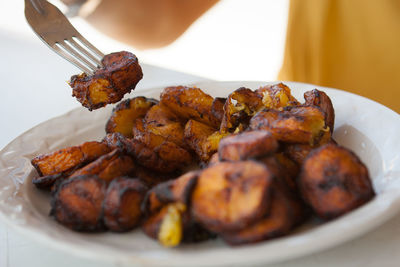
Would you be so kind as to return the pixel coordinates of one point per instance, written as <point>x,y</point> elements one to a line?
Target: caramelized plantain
<point>277,222</point>
<point>277,96</point>
<point>284,170</point>
<point>156,152</point>
<point>177,190</point>
<point>150,150</point>
<point>322,100</point>
<point>160,121</point>
<point>62,162</point>
<point>295,124</point>
<point>190,103</point>
<point>46,182</point>
<point>167,206</point>
<point>334,181</point>
<point>217,107</point>
<point>108,167</point>
<point>122,204</point>
<point>120,74</point>
<point>201,138</point>
<point>231,195</point>
<point>239,107</point>
<point>152,178</point>
<point>247,145</point>
<point>214,159</point>
<point>77,203</point>
<point>125,114</point>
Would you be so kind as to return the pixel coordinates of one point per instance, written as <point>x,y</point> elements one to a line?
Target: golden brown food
<point>334,181</point>
<point>190,103</point>
<point>108,167</point>
<point>277,222</point>
<point>125,114</point>
<point>202,139</point>
<point>247,145</point>
<point>168,208</point>
<point>161,121</point>
<point>77,203</point>
<point>152,224</point>
<point>217,107</point>
<point>214,159</point>
<point>284,170</point>
<point>150,151</point>
<point>152,178</point>
<point>160,154</point>
<point>122,204</point>
<point>295,124</point>
<point>321,99</point>
<point>46,182</point>
<point>177,190</point>
<point>239,107</point>
<point>120,74</point>
<point>265,164</point>
<point>231,195</point>
<point>62,162</point>
<point>277,96</point>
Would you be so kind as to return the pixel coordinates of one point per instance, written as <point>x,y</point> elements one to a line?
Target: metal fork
<point>54,29</point>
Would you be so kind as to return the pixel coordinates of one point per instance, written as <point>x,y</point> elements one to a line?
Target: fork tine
<point>77,55</point>
<point>82,39</point>
<point>84,51</point>
<point>71,59</point>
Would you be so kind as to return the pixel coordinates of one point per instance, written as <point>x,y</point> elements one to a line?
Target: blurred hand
<point>147,23</point>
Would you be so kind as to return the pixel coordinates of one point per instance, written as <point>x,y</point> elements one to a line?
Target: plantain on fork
<point>105,78</point>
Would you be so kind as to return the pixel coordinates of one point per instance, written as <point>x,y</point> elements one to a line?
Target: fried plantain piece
<point>157,153</point>
<point>247,145</point>
<point>161,121</point>
<point>276,223</point>
<point>144,155</point>
<point>61,162</point>
<point>125,114</point>
<point>176,190</point>
<point>277,96</point>
<point>217,107</point>
<point>239,107</point>
<point>108,167</point>
<point>231,195</point>
<point>122,204</point>
<point>321,99</point>
<point>46,182</point>
<point>214,159</point>
<point>77,203</point>
<point>203,139</point>
<point>284,170</point>
<point>298,152</point>
<point>295,124</point>
<point>152,224</point>
<point>120,74</point>
<point>190,103</point>
<point>167,206</point>
<point>334,181</point>
<point>152,178</point>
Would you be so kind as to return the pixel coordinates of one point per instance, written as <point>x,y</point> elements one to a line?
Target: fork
<point>55,30</point>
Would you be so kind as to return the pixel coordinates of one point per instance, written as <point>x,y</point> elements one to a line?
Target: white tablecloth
<point>31,93</point>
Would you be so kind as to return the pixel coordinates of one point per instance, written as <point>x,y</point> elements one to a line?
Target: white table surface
<point>31,92</point>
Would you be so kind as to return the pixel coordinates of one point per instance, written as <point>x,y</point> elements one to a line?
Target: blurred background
<point>230,39</point>
<point>233,40</point>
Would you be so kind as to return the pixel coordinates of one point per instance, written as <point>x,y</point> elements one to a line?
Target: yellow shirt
<point>352,45</point>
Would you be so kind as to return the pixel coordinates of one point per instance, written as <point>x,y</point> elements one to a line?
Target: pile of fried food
<point>189,167</point>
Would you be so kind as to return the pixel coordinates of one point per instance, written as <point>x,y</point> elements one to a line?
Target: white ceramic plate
<point>366,127</point>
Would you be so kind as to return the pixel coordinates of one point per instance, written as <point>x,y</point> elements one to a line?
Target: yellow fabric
<point>352,45</point>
